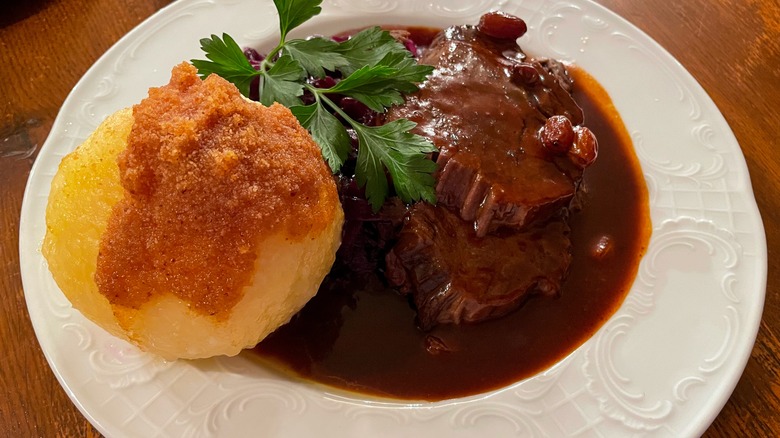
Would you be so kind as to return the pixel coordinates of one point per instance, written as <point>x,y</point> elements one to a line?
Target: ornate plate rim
<point>94,95</point>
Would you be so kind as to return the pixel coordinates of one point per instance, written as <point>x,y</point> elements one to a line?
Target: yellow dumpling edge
<point>83,192</point>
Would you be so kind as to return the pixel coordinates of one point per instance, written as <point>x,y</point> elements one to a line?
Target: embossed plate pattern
<point>663,365</point>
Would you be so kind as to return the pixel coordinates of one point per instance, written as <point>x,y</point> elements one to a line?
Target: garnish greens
<point>375,69</point>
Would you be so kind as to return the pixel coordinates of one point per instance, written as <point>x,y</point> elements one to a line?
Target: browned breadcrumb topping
<point>207,175</point>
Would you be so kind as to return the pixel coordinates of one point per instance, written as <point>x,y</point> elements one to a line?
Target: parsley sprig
<point>376,70</point>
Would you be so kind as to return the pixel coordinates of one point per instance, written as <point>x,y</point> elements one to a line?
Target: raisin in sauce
<point>359,335</point>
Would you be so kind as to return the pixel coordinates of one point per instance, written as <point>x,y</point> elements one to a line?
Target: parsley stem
<point>267,63</point>
<point>320,95</point>
<point>375,69</point>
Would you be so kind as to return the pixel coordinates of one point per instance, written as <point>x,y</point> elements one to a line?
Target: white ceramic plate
<point>663,365</point>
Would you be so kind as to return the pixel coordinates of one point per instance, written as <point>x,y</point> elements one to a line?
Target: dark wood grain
<point>732,47</point>
<point>45,47</point>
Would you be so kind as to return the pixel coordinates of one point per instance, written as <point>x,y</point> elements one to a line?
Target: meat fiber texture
<point>512,153</point>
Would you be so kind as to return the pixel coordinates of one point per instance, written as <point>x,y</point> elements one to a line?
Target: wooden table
<point>732,47</point>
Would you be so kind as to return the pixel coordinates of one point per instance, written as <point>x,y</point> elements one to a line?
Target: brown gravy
<point>357,334</point>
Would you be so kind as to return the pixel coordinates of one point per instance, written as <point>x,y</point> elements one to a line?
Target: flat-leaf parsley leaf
<point>375,69</point>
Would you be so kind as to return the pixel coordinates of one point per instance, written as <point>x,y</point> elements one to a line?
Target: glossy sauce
<point>357,334</point>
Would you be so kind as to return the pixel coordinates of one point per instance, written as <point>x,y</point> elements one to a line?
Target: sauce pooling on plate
<point>361,335</point>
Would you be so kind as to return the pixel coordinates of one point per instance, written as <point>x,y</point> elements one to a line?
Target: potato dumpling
<point>195,223</point>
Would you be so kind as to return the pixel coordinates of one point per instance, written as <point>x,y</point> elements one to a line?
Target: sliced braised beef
<point>484,108</point>
<point>511,156</point>
<point>456,277</point>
